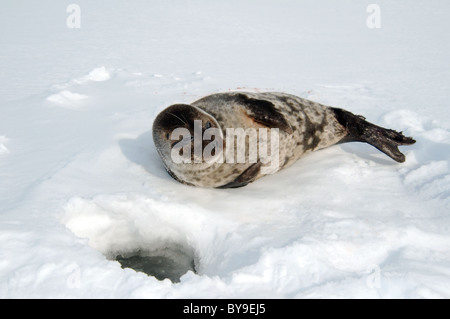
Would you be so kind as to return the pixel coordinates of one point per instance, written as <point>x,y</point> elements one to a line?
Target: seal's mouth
<point>199,146</point>
<point>180,143</point>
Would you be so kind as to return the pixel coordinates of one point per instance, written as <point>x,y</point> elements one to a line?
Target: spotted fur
<point>304,126</point>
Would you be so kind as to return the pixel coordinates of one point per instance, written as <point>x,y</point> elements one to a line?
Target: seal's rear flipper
<point>359,130</point>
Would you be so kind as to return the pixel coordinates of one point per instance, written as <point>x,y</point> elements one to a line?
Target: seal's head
<point>186,138</point>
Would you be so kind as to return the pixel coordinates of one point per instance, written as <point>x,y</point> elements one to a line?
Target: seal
<point>223,140</point>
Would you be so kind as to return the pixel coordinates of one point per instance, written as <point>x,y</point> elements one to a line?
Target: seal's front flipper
<point>245,178</point>
<point>359,130</point>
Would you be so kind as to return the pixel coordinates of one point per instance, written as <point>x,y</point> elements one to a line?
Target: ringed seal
<point>197,146</point>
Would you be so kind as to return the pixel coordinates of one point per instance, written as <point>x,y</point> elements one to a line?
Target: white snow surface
<point>80,179</point>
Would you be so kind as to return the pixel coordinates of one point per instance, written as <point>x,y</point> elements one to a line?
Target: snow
<point>66,98</point>
<point>3,141</point>
<point>81,182</point>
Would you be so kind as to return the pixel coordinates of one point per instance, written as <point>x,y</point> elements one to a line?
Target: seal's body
<point>301,126</point>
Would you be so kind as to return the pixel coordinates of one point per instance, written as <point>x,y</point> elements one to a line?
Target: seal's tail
<point>359,130</point>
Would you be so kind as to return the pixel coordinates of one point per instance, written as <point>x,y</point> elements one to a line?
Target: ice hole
<point>170,262</point>
<point>133,232</point>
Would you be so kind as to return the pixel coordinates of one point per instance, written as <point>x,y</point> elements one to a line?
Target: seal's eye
<point>167,135</point>
<point>207,125</point>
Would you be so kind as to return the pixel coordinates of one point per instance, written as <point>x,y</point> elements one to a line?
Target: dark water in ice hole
<point>170,264</point>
